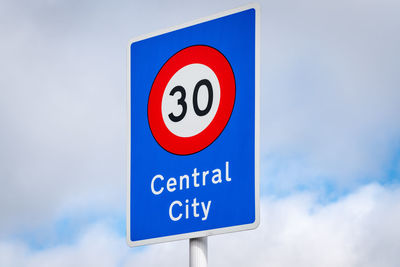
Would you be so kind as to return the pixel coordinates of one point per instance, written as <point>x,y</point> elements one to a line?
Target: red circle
<point>217,62</point>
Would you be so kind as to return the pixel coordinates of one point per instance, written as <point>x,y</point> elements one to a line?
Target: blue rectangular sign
<point>194,129</point>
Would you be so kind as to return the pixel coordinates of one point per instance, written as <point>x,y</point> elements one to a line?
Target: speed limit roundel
<point>191,100</point>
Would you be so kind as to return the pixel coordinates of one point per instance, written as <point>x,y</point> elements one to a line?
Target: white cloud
<point>329,91</point>
<point>98,246</point>
<point>360,229</point>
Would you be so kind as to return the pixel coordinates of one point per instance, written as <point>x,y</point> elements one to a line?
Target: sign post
<point>193,154</point>
<point>198,252</point>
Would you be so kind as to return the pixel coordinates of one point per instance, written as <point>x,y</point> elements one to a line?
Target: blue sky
<point>330,134</point>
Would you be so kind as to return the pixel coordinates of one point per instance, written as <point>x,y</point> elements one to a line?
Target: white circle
<point>187,77</point>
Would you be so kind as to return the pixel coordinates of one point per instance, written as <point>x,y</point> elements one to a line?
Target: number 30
<point>181,100</point>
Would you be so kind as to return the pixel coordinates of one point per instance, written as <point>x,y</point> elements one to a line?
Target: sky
<point>330,134</point>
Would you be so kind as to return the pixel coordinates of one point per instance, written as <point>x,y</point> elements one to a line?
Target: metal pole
<point>198,252</point>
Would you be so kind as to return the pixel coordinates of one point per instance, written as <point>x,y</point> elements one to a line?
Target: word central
<point>182,209</point>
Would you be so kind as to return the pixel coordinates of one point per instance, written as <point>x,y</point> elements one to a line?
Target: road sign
<point>194,129</point>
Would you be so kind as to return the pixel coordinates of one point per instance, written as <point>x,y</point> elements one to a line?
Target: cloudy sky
<point>330,133</point>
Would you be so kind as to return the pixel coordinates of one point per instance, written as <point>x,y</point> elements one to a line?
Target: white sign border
<point>216,231</point>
